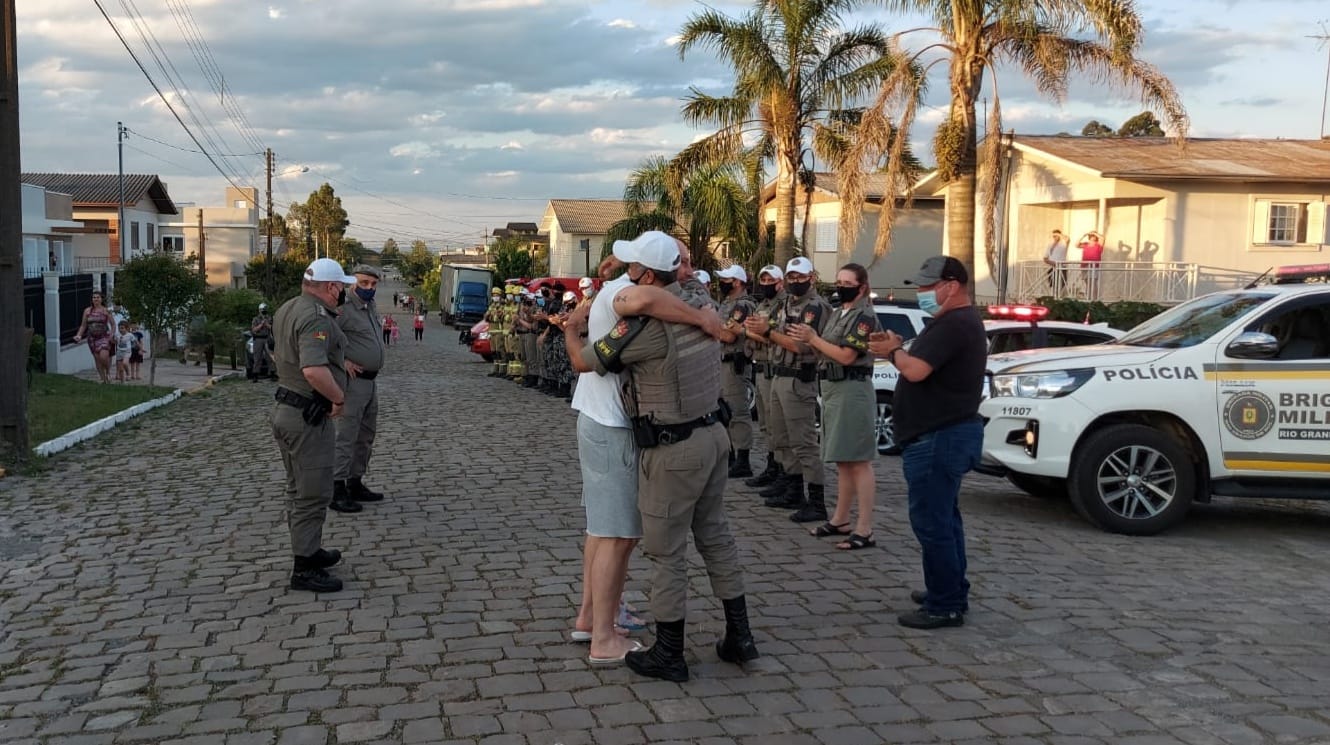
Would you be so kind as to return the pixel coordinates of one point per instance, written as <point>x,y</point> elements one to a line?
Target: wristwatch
<point>891,356</point>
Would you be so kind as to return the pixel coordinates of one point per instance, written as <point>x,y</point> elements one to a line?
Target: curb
<point>88,431</point>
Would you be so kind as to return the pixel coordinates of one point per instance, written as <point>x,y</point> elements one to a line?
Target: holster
<point>317,410</point>
<point>645,434</point>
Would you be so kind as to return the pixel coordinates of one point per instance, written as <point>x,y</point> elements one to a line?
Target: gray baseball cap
<point>939,268</point>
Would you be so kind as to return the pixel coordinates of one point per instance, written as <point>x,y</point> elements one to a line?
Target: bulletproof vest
<point>688,384</point>
<point>727,309</point>
<point>769,309</point>
<point>810,310</point>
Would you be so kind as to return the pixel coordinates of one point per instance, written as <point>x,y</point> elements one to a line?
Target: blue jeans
<point>934,465</point>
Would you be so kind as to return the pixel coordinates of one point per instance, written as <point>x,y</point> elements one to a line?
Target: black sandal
<point>856,542</point>
<point>828,529</point>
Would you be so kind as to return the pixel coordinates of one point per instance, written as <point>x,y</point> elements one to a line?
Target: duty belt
<point>291,398</point>
<point>671,434</point>
<point>804,373</point>
<point>732,356</point>
<point>844,373</point>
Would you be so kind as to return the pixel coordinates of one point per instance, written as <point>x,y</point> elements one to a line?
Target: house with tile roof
<point>229,233</point>
<point>576,229</point>
<point>916,234</point>
<point>101,241</point>
<point>1174,221</point>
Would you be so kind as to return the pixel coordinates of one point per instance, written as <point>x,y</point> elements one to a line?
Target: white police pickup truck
<point>1009,328</point>
<point>1227,394</point>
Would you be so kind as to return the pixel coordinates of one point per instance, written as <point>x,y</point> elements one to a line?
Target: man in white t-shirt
<point>1056,256</point>
<point>608,458</point>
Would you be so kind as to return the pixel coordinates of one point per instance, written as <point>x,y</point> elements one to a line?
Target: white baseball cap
<point>652,249</point>
<point>584,283</point>
<point>772,271</point>
<point>799,264</point>
<point>569,296</point>
<point>701,276</point>
<point>327,270</point>
<point>734,271</point>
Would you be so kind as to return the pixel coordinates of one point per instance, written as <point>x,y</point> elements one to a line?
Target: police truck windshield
<point>1194,321</point>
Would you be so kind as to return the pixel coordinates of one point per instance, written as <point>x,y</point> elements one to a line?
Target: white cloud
<point>511,145</point>
<point>621,23</point>
<point>413,150</point>
<point>275,13</point>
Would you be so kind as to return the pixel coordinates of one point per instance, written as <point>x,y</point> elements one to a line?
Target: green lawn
<point>61,403</point>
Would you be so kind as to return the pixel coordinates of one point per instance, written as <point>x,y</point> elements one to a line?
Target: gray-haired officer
<point>309,351</point>
<point>794,393</point>
<point>360,419</point>
<point>735,307</point>
<point>672,383</point>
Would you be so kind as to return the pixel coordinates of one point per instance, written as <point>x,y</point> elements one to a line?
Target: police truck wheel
<point>1132,479</point>
<point>1043,487</point>
<point>886,433</point>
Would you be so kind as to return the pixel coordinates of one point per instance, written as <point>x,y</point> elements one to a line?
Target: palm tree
<point>1044,40</point>
<point>710,202</point>
<point>796,71</point>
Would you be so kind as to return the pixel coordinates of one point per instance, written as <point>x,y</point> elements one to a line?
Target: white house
<point>577,230</point>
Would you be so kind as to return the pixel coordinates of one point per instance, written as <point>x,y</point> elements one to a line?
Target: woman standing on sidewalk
<point>96,328</point>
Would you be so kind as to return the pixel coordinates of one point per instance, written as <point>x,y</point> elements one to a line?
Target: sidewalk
<point>171,374</point>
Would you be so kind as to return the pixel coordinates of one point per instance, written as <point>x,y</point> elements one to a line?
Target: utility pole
<point>203,245</point>
<point>1323,38</point>
<point>120,225</point>
<point>268,288</point>
<point>13,357</point>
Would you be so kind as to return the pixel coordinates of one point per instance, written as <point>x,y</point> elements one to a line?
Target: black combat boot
<point>324,558</point>
<point>773,471</point>
<point>529,381</point>
<point>792,497</point>
<point>361,493</point>
<point>307,575</point>
<point>664,659</point>
<point>777,486</point>
<point>342,501</point>
<point>815,509</point>
<point>737,645</point>
<point>740,467</point>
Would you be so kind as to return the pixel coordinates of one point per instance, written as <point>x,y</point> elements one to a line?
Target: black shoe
<point>772,472</point>
<point>312,579</point>
<point>361,493</point>
<point>922,619</point>
<point>777,487</point>
<point>815,509</point>
<point>322,559</point>
<point>791,498</point>
<point>740,467</point>
<point>737,645</point>
<point>342,501</point>
<point>664,660</point>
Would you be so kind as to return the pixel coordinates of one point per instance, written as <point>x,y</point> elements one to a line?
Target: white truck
<point>1227,394</point>
<point>464,294</point>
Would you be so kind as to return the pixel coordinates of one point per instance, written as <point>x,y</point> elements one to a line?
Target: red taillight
<point>1018,312</point>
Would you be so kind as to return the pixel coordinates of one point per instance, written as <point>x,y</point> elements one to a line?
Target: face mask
<point>847,294</point>
<point>540,301</point>
<point>928,302</point>
<point>637,281</point>
<point>726,288</point>
<point>798,289</point>
<point>767,291</point>
<point>365,294</point>
<point>341,297</point>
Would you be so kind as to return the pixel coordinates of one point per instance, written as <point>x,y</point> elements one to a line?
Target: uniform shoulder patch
<point>620,329</point>
<point>321,335</point>
<point>861,328</point>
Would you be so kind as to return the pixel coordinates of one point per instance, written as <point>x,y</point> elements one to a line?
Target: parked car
<point>1224,394</point>
<point>478,338</point>
<point>1010,328</point>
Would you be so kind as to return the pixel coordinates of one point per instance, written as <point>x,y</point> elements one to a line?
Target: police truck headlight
<point>1039,385</point>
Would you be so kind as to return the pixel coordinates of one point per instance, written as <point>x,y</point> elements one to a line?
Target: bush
<point>1121,315</point>
<point>37,354</point>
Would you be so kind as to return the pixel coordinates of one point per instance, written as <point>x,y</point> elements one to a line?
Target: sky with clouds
<point>443,119</point>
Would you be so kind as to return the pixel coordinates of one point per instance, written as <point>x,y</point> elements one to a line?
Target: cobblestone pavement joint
<point>143,600</point>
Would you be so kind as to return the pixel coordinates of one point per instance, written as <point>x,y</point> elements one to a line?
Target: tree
<point>390,254</point>
<point>353,252</point>
<point>415,265</point>
<point>227,314</point>
<point>1048,42</point>
<point>796,72</point>
<point>512,257</point>
<point>287,273</point>
<point>1095,129</point>
<point>1143,124</point>
<point>326,221</point>
<point>712,204</point>
<point>161,292</point>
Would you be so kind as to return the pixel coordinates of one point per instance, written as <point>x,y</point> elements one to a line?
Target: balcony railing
<point>1165,283</point>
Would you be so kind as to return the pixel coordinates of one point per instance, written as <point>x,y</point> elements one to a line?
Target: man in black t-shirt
<point>937,422</point>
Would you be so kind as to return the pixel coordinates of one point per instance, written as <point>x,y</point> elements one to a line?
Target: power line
<point>165,101</point>
<point>189,150</point>
<point>207,63</point>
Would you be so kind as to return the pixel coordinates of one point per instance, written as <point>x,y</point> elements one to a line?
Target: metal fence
<point>1166,283</point>
<point>34,304</point>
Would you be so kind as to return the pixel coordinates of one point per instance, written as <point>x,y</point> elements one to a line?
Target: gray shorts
<point>609,479</point>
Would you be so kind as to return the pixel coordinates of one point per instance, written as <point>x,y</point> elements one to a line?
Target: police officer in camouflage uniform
<point>794,395</point>
<point>309,352</point>
<point>735,307</point>
<point>770,296</point>
<point>357,426</point>
<point>672,380</point>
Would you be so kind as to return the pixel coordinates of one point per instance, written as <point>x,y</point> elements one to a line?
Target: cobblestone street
<point>144,599</point>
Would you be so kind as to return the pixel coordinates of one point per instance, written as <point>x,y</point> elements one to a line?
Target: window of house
<point>825,234</point>
<point>134,237</point>
<point>1288,222</point>
<point>152,234</point>
<point>175,243</point>
<point>584,244</point>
